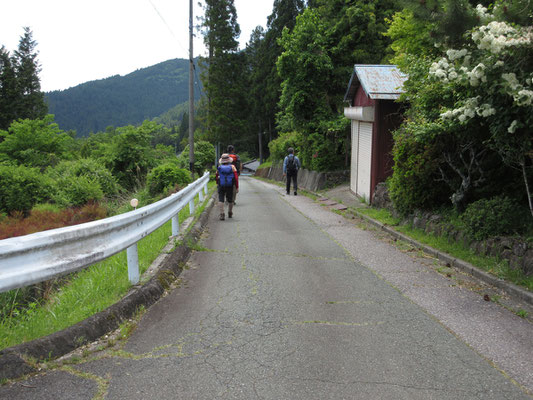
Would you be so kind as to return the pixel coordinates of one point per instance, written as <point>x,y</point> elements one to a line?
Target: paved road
<point>290,301</point>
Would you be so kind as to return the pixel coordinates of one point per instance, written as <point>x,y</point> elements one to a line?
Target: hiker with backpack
<point>236,161</point>
<point>228,181</point>
<point>291,165</point>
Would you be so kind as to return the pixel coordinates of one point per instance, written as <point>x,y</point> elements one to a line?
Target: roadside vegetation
<point>493,265</point>
<point>464,149</point>
<point>78,296</point>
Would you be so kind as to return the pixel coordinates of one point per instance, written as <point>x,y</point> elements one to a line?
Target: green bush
<point>493,217</point>
<point>204,157</point>
<point>164,176</point>
<point>414,183</point>
<point>324,152</point>
<point>73,190</point>
<point>278,147</point>
<point>21,188</point>
<point>90,168</point>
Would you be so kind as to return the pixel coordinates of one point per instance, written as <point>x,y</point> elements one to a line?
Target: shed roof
<point>380,82</point>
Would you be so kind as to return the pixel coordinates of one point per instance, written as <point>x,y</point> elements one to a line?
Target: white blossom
<point>456,54</point>
<point>496,36</point>
<point>482,12</point>
<point>511,80</point>
<point>485,110</point>
<point>513,126</point>
<point>524,97</point>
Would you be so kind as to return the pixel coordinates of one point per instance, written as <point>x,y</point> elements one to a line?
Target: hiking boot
<point>222,217</point>
<point>296,194</point>
<point>230,214</point>
<point>288,193</point>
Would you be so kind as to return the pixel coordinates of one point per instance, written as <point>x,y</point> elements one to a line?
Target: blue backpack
<point>225,175</point>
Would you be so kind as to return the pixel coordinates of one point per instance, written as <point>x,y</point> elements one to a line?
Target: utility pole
<point>260,148</point>
<point>191,95</point>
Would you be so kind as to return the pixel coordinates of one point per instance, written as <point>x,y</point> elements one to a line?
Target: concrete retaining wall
<point>310,180</point>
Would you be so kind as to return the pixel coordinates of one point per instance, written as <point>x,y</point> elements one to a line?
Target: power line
<point>197,80</point>
<point>167,25</point>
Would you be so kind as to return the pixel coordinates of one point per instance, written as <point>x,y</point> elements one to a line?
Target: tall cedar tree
<point>262,53</point>
<point>8,90</point>
<point>315,66</point>
<point>223,75</point>
<point>30,102</point>
<point>284,13</point>
<point>354,31</point>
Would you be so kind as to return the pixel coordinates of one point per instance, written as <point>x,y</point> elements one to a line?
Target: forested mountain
<point>122,100</point>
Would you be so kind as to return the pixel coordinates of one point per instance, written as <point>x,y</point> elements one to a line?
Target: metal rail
<point>41,256</point>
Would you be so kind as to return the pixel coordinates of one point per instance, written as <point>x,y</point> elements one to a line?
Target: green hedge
<point>21,188</point>
<point>164,176</point>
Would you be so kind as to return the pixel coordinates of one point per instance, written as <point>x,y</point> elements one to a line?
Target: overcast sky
<point>84,40</point>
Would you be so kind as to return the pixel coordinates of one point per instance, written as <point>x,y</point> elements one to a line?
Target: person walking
<point>291,165</point>
<point>227,180</point>
<point>236,161</point>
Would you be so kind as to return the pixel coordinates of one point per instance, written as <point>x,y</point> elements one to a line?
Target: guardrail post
<point>205,189</point>
<point>175,225</point>
<point>133,264</point>
<point>201,195</point>
<point>191,206</point>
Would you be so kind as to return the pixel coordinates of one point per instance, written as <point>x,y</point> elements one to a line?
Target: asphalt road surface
<point>288,300</point>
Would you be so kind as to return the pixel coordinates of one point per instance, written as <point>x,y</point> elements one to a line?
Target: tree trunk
<point>524,172</point>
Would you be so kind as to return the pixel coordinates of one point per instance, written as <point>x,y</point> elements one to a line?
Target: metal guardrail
<point>41,256</point>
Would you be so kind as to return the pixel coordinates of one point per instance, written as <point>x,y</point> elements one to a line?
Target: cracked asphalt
<point>288,300</point>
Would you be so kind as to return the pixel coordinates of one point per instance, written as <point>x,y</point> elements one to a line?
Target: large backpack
<point>225,175</point>
<point>236,162</point>
<point>291,164</point>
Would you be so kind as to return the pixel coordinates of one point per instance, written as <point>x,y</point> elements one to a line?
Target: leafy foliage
<point>34,143</point>
<point>317,58</point>
<point>492,217</point>
<point>22,187</point>
<point>414,183</point>
<point>130,156</point>
<point>305,67</point>
<point>262,53</point>
<point>76,191</point>
<point>470,103</point>
<point>278,147</point>
<point>166,176</point>
<point>89,168</point>
<point>204,156</point>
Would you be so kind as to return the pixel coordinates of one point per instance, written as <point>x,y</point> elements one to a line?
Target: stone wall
<point>310,180</point>
<point>517,251</point>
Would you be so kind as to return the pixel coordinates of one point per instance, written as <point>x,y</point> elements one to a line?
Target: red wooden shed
<point>374,114</point>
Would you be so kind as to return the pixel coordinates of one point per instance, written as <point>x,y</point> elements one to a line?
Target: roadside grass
<point>266,164</point>
<point>86,292</point>
<point>493,265</point>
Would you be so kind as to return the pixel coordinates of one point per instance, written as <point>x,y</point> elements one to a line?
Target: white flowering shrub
<point>488,72</point>
<point>478,98</point>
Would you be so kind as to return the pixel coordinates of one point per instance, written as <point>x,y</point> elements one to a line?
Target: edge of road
<point>17,361</point>
<point>511,289</point>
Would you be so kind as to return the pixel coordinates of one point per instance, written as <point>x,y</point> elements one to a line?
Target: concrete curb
<point>511,289</point>
<point>13,362</point>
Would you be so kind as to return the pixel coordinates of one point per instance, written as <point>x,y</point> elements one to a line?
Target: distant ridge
<point>122,100</point>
